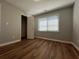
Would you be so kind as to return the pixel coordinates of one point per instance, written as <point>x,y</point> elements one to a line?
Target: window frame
<point>47,23</point>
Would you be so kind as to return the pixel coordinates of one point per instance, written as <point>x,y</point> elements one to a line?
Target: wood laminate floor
<point>38,49</point>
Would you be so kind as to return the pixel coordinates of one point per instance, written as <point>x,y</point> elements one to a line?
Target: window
<point>50,23</point>
<point>42,24</point>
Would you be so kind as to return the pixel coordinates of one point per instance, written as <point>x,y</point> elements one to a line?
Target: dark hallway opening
<point>23,27</point>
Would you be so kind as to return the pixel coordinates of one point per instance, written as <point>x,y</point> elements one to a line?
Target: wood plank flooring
<point>38,49</point>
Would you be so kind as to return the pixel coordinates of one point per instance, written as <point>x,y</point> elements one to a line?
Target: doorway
<point>23,27</point>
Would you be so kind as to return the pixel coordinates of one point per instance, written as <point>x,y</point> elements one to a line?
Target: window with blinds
<point>50,23</point>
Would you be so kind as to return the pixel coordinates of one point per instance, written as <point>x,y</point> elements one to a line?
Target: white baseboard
<point>54,40</point>
<point>75,46</point>
<point>67,42</point>
<point>8,43</point>
<point>30,38</point>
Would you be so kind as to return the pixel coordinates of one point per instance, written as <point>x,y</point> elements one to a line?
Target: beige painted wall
<point>0,18</point>
<point>0,21</point>
<point>65,24</point>
<point>76,23</point>
<point>30,28</point>
<point>10,23</point>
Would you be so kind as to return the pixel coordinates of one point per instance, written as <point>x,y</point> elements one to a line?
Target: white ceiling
<point>32,8</point>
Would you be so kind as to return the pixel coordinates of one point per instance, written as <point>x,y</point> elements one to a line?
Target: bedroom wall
<point>65,24</point>
<point>76,23</point>
<point>0,20</point>
<point>10,23</point>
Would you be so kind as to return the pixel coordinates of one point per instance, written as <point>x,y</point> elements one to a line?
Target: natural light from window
<point>50,23</point>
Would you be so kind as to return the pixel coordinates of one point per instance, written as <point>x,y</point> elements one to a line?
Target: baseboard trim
<point>8,43</point>
<point>67,42</point>
<point>30,38</point>
<point>75,46</point>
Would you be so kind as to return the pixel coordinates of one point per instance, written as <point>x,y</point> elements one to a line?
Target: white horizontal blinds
<point>42,24</point>
<point>53,23</point>
<point>50,23</point>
